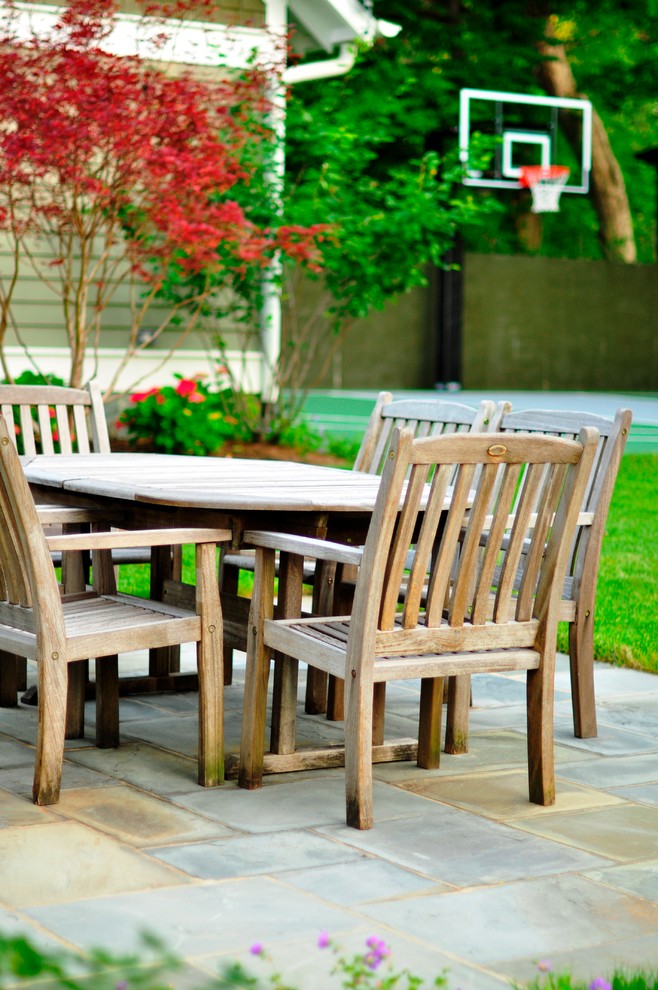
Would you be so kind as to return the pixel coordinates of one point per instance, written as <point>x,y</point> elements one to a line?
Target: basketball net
<point>546,183</point>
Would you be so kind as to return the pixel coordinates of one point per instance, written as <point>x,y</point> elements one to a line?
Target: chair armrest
<point>123,538</point>
<point>305,546</point>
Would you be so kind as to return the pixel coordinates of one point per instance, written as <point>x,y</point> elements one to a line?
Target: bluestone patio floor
<point>459,873</point>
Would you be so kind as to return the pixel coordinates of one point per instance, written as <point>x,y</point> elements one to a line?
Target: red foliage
<point>90,142</point>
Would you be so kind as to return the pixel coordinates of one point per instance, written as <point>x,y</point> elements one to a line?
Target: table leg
<point>8,680</point>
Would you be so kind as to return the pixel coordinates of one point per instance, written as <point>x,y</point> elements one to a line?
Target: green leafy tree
<point>392,205</point>
<point>609,51</point>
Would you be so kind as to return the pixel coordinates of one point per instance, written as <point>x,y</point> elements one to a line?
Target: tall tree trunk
<point>607,181</point>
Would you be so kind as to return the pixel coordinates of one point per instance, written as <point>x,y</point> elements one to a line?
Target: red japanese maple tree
<point>114,172</point>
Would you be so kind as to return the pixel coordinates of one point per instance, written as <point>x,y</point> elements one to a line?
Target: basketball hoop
<point>546,183</point>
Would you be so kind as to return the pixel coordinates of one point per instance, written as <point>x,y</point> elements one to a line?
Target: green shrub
<point>36,378</point>
<point>186,418</point>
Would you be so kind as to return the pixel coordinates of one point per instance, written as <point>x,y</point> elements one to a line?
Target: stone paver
<point>460,873</point>
<point>65,861</point>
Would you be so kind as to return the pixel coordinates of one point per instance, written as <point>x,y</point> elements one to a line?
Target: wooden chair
<point>50,419</point>
<point>579,592</point>
<point>425,417</point>
<point>449,626</point>
<point>36,623</point>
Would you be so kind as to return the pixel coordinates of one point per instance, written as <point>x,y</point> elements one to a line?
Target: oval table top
<point>206,482</point>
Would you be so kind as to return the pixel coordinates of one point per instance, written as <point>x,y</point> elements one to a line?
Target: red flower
<point>186,387</point>
<point>140,396</point>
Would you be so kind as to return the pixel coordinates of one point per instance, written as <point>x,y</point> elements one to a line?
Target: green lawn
<point>626,629</point>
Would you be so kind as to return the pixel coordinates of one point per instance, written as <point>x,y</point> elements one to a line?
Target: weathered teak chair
<point>579,592</point>
<point>36,623</point>
<point>51,419</point>
<point>425,417</point>
<point>449,626</point>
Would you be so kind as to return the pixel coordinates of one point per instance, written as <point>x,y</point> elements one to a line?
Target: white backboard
<point>528,130</point>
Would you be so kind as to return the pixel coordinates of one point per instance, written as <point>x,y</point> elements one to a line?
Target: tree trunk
<point>607,181</point>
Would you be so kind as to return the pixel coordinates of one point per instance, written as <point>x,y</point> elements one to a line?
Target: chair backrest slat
<point>497,528</point>
<point>53,419</point>
<point>441,573</point>
<point>468,593</point>
<point>425,546</point>
<point>81,432</point>
<point>63,430</point>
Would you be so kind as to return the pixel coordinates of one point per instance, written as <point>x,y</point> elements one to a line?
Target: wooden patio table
<point>159,490</point>
<point>162,490</point>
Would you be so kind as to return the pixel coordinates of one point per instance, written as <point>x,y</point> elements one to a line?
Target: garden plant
<point>154,968</point>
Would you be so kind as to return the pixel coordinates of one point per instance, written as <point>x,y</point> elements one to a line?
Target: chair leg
<point>358,754</point>
<point>52,680</point>
<point>581,658</point>
<point>211,671</point>
<point>459,699</point>
<point>252,743</point>
<point>107,702</point>
<point>429,728</point>
<point>541,757</point>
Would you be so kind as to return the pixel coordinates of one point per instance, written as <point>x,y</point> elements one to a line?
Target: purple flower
<point>544,966</point>
<point>121,985</point>
<point>257,949</point>
<point>323,940</point>
<point>378,950</point>
<point>600,984</point>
